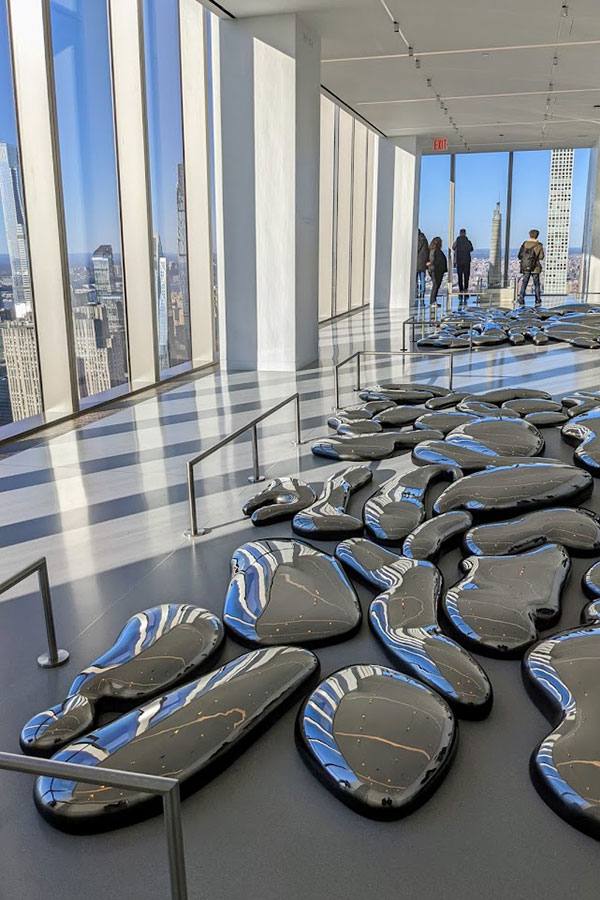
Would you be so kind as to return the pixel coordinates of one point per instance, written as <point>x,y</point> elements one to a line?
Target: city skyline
<point>560,193</point>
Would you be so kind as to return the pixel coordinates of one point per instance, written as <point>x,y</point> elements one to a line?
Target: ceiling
<point>511,74</point>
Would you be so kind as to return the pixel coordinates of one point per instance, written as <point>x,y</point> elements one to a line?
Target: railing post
<point>336,379</point>
<point>450,371</point>
<point>298,421</point>
<point>358,370</point>
<point>256,476</point>
<point>172,811</point>
<point>54,657</point>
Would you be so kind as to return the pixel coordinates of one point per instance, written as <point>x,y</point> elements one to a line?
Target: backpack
<point>529,258</point>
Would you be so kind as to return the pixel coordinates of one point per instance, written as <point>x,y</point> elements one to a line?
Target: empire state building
<point>495,269</point>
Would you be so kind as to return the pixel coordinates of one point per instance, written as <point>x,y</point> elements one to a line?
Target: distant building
<point>495,267</point>
<point>100,355</point>
<point>104,270</point>
<point>22,367</point>
<point>14,222</point>
<point>161,286</point>
<point>559,221</point>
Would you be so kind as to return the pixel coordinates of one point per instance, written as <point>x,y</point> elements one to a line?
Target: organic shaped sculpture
<point>351,428</point>
<point>371,446</point>
<point>155,650</point>
<point>541,419</point>
<point>428,540</point>
<point>486,410</point>
<point>281,499</point>
<point>561,674</point>
<point>470,458</point>
<point>591,586</point>
<point>583,431</point>
<point>576,529</point>
<point>404,618</point>
<point>189,733</point>
<point>507,437</point>
<point>399,505</point>
<point>399,416</point>
<point>396,396</point>
<point>523,486</point>
<point>497,607</point>
<point>449,400</point>
<point>379,741</point>
<point>327,519</point>
<point>434,389</point>
<point>444,421</point>
<point>372,408</point>
<point>524,407</point>
<point>287,592</point>
<point>503,395</point>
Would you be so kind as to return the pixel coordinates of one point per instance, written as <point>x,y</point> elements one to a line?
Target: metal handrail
<point>403,353</point>
<point>256,476</point>
<point>167,788</point>
<point>54,657</point>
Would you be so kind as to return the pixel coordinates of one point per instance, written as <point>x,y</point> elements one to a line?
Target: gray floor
<point>107,505</point>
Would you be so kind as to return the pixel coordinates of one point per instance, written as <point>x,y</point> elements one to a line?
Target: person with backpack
<point>462,254</point>
<point>531,254</point>
<point>437,266</point>
<point>422,257</point>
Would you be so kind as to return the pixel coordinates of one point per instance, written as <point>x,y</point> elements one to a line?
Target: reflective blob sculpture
<point>379,741</point>
<point>434,389</point>
<point>371,446</point>
<point>446,402</point>
<point>523,486</point>
<point>362,427</point>
<point>156,649</point>
<point>497,607</point>
<point>287,592</point>
<point>280,499</point>
<point>583,431</point>
<point>485,410</point>
<point>576,529</point>
<point>524,407</point>
<point>404,618</point>
<point>507,437</point>
<point>469,457</point>
<point>437,534</point>
<point>444,421</point>
<point>503,395</point>
<point>561,674</point>
<point>327,519</point>
<point>399,505</point>
<point>541,419</point>
<point>189,734</point>
<point>399,416</point>
<point>591,586</point>
<point>395,395</point>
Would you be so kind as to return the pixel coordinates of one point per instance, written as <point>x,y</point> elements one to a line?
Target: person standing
<point>437,266</point>
<point>422,258</point>
<point>531,254</point>
<point>462,254</point>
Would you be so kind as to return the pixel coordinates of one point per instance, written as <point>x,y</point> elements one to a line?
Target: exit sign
<point>440,143</point>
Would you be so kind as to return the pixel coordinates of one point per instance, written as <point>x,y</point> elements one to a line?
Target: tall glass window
<point>167,178</point>
<point>581,164</point>
<point>531,182</point>
<point>434,200</point>
<point>80,45</point>
<point>20,389</point>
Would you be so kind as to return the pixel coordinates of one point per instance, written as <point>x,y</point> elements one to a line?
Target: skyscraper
<point>100,355</point>
<point>559,221</point>
<point>161,286</point>
<point>22,368</point>
<point>495,269</point>
<point>14,222</point>
<point>104,270</point>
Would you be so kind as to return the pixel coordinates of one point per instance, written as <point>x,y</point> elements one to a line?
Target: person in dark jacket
<point>437,266</point>
<point>531,254</point>
<point>462,254</point>
<point>422,258</point>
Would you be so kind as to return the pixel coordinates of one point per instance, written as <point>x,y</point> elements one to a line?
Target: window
<point>80,45</point>
<point>167,180</point>
<point>434,200</point>
<point>20,389</point>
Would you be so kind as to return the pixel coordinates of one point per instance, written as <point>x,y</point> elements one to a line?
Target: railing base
<point>254,479</point>
<point>45,662</point>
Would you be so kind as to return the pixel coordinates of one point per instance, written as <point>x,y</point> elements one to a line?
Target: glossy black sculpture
<point>371,446</point>
<point>503,395</point>
<point>523,486</point>
<point>470,458</point>
<point>561,674</point>
<point>399,416</point>
<point>437,534</point>
<point>399,505</point>
<point>156,649</point>
<point>434,389</point>
<point>486,410</point>
<point>446,402</point>
<point>372,408</point>
<point>404,618</point>
<point>405,396</point>
<point>591,587</point>
<point>524,407</point>
<point>542,419</point>
<point>444,421</point>
<point>578,530</point>
<point>190,733</point>
<point>583,431</point>
<point>287,592</point>
<point>281,499</point>
<point>379,741</point>
<point>327,519</point>
<point>370,426</point>
<point>499,604</point>
<point>507,437</point>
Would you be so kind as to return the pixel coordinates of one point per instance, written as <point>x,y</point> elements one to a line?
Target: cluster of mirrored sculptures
<point>381,738</point>
<point>577,324</point>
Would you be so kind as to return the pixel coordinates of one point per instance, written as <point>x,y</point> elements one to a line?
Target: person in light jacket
<point>531,254</point>
<point>462,254</point>
<point>437,266</point>
<point>422,259</point>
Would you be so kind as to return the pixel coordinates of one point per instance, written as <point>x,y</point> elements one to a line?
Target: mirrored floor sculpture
<point>502,600</point>
<point>591,587</point>
<point>562,674</point>
<point>371,446</point>
<point>399,416</point>
<point>576,529</point>
<point>287,592</point>
<point>524,407</point>
<point>470,458</point>
<point>398,507</point>
<point>189,734</point>
<point>280,499</point>
<point>156,649</point>
<point>583,431</point>
<point>486,410</point>
<point>447,401</point>
<point>327,519</point>
<point>404,618</point>
<point>510,489</point>
<point>543,419</point>
<point>503,436</point>
<point>436,535</point>
<point>444,421</point>
<point>379,741</point>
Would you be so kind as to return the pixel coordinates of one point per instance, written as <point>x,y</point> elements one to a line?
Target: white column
<point>267,185</point>
<point>398,177</point>
<point>590,276</point>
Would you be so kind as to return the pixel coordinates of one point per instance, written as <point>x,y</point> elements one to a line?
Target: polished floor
<point>107,505</point>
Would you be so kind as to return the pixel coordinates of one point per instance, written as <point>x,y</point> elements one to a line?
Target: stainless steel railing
<point>256,476</point>
<point>167,788</point>
<point>54,656</point>
<point>403,353</point>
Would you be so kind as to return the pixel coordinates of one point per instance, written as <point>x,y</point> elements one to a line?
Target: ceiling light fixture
<point>411,51</point>
<point>429,82</point>
<point>564,11</point>
<point>396,28</point>
<point>417,63</point>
